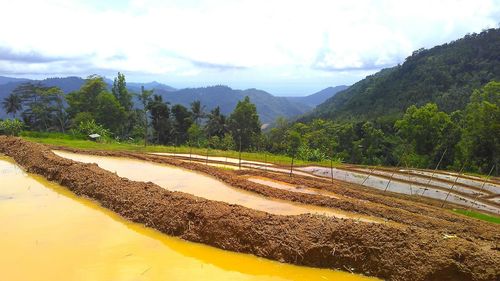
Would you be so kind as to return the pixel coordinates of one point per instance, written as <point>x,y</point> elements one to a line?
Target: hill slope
<point>319,97</point>
<point>445,75</point>
<point>268,106</point>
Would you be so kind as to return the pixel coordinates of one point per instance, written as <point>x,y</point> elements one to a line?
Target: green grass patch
<point>69,141</point>
<point>480,216</point>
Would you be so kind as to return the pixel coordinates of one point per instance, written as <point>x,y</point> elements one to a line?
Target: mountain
<point>268,106</point>
<point>446,75</point>
<point>319,97</point>
<point>5,80</point>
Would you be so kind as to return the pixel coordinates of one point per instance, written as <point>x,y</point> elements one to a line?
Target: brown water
<point>178,179</point>
<point>48,233</point>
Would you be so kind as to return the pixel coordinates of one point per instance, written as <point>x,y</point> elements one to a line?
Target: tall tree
<point>12,104</point>
<point>480,143</point>
<point>244,123</point>
<point>197,111</point>
<point>109,112</point>
<point>160,119</point>
<point>426,129</point>
<point>182,122</point>
<point>121,93</point>
<point>145,98</point>
<point>85,99</point>
<point>216,124</point>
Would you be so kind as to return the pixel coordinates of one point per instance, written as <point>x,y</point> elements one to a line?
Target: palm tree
<point>198,111</point>
<point>12,104</point>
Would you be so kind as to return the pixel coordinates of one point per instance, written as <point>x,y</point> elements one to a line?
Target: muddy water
<point>400,187</point>
<point>177,179</point>
<point>289,187</point>
<point>48,233</point>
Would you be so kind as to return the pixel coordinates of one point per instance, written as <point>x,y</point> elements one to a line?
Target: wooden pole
<point>453,185</point>
<point>435,169</point>
<point>482,186</point>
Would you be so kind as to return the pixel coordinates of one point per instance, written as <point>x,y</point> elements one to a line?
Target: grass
<point>480,216</point>
<point>71,142</point>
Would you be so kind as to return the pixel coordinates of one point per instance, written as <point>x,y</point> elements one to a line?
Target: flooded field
<point>178,179</point>
<point>48,233</point>
<point>410,188</point>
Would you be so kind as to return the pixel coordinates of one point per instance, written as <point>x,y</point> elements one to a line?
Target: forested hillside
<point>445,75</point>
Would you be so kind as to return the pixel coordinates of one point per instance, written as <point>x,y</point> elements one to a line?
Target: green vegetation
<point>440,109</point>
<point>480,216</point>
<point>445,75</point>
<point>73,141</point>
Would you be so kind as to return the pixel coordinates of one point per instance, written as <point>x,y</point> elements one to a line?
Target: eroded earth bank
<point>415,247</point>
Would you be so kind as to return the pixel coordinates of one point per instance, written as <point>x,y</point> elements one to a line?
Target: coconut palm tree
<point>12,104</point>
<point>198,111</point>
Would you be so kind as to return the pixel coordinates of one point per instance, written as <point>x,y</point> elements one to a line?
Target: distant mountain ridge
<point>268,106</point>
<point>319,97</point>
<point>446,75</point>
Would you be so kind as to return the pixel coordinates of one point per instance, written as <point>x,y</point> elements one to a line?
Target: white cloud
<point>196,39</point>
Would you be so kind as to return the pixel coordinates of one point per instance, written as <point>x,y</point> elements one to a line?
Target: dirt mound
<point>384,251</point>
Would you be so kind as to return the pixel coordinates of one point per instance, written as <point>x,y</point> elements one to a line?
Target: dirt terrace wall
<point>367,201</point>
<point>372,249</point>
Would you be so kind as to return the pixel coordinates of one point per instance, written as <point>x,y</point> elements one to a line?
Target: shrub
<point>11,127</point>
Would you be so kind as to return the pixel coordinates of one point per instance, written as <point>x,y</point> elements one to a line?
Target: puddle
<point>48,233</point>
<point>178,179</point>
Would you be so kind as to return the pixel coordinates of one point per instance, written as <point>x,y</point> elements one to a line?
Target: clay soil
<point>425,243</point>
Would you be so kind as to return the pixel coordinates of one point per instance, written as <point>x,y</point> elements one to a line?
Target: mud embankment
<point>357,199</point>
<point>372,249</point>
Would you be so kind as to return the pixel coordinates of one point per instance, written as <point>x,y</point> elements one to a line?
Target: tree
<point>109,112</point>
<point>145,98</point>
<point>216,124</point>
<point>12,104</point>
<point>182,122</point>
<point>160,119</point>
<point>197,111</point>
<point>244,123</point>
<point>121,93</point>
<point>426,129</point>
<point>480,143</point>
<point>85,99</point>
<point>294,142</point>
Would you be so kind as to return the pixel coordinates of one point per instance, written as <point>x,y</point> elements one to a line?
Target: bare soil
<point>419,250</point>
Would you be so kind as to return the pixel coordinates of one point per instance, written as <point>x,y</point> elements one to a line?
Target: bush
<point>91,127</point>
<point>306,153</point>
<point>11,127</point>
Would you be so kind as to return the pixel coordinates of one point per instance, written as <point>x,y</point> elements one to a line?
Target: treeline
<point>466,139</point>
<point>112,113</point>
<point>424,137</point>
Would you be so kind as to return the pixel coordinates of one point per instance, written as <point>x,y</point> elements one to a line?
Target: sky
<point>283,47</point>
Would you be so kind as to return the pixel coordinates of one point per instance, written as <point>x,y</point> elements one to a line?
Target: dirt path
<point>393,253</point>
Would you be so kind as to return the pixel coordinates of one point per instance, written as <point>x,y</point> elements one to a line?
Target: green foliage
<point>480,143</point>
<point>195,135</point>
<point>12,104</point>
<point>121,93</point>
<point>91,127</point>
<point>11,127</point>
<point>480,216</point>
<point>109,112</point>
<point>444,75</point>
<point>305,153</point>
<point>244,123</point>
<point>182,121</point>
